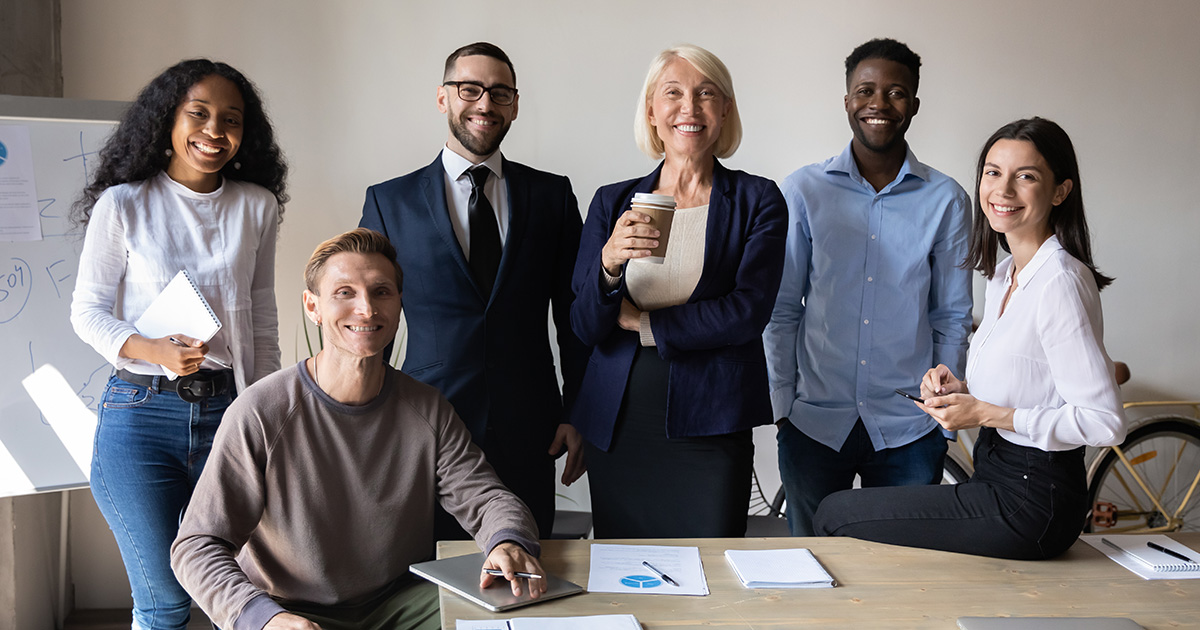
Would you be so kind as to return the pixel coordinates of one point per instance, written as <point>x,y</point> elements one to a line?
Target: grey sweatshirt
<point>329,503</point>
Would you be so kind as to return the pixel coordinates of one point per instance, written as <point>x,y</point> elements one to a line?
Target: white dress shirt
<point>458,194</point>
<point>1045,355</point>
<point>138,238</point>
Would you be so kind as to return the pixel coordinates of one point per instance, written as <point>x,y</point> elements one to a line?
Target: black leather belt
<point>191,388</point>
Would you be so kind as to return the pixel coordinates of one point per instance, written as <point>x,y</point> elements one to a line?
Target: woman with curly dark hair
<point>192,179</point>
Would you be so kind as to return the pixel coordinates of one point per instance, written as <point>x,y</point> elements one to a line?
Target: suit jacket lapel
<point>519,210</point>
<point>433,186</point>
<point>718,225</point>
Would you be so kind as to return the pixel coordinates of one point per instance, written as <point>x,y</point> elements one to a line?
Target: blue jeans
<point>812,471</point>
<point>150,448</point>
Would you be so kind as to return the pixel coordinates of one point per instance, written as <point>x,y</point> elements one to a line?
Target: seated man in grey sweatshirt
<point>321,485</point>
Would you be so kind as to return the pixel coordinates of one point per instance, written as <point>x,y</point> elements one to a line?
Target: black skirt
<point>649,486</point>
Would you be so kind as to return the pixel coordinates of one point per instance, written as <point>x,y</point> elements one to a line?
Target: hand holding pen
<point>205,356</point>
<point>509,561</point>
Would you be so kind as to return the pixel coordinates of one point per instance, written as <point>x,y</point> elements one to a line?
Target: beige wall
<point>350,86</point>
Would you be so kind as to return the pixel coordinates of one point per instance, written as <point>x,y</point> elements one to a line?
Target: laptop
<point>1047,623</point>
<point>460,574</point>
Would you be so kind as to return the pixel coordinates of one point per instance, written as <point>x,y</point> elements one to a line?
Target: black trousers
<point>1021,503</point>
<point>649,486</point>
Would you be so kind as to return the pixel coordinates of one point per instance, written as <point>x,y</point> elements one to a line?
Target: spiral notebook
<point>180,308</point>
<point>1133,551</point>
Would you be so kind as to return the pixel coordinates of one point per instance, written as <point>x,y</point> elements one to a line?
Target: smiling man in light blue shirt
<point>873,295</point>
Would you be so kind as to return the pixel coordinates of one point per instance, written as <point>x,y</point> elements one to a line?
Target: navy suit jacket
<point>488,354</point>
<point>718,371</point>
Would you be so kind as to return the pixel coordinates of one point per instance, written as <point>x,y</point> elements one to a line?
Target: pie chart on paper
<point>641,581</point>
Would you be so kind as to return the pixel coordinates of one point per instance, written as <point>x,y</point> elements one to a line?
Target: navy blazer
<point>488,354</point>
<point>718,372</point>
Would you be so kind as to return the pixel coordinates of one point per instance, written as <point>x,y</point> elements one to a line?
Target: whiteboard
<point>36,282</point>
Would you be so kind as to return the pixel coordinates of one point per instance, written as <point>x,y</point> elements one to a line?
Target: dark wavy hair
<point>1067,220</point>
<point>137,149</point>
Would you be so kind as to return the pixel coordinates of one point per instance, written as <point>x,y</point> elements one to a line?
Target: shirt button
<point>870,279</point>
<point>864,362</point>
<point>866,321</point>
<point>860,404</point>
<point>872,237</point>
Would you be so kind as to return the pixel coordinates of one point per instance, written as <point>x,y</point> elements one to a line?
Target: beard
<point>486,145</point>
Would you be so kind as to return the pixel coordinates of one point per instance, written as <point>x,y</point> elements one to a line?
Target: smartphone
<point>910,396</point>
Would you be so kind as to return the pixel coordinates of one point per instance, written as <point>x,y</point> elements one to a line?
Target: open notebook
<point>1136,553</point>
<point>778,568</point>
<point>594,622</point>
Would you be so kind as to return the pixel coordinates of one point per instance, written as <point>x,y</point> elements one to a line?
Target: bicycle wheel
<point>953,472</point>
<point>1166,455</point>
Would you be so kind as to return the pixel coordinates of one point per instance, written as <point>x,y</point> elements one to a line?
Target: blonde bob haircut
<point>714,70</point>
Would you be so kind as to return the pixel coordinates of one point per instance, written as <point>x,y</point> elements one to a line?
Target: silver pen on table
<point>666,578</point>
<point>1126,552</point>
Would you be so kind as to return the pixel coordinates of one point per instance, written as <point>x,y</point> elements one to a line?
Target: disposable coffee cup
<point>661,210</point>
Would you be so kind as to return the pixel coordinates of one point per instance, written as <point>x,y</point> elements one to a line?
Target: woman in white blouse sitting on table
<point>1041,384</point>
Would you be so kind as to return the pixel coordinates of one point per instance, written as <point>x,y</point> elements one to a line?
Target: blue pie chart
<point>3,153</point>
<point>641,581</point>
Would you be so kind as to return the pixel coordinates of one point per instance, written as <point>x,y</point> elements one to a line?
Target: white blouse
<point>141,234</point>
<point>1045,355</point>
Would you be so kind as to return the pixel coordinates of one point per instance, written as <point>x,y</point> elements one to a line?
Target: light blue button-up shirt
<point>872,297</point>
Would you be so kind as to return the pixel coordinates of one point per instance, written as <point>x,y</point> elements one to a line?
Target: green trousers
<point>412,605</point>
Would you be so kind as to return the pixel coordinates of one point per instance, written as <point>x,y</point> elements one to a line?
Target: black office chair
<point>766,518</point>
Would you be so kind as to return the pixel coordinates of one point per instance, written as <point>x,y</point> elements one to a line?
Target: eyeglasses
<point>472,91</point>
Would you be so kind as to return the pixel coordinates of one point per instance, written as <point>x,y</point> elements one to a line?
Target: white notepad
<point>778,568</point>
<point>593,622</point>
<point>179,309</point>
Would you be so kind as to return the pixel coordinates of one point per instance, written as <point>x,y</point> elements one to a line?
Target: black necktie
<point>485,232</point>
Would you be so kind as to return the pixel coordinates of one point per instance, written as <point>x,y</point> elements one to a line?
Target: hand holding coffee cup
<point>640,233</point>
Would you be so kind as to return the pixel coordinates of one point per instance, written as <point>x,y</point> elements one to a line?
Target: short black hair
<point>886,48</point>
<point>478,48</point>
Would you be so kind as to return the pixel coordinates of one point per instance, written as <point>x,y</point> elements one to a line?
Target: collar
<point>844,163</point>
<point>1047,249</point>
<point>184,191</point>
<point>456,164</point>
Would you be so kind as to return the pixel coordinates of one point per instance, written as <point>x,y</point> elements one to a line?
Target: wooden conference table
<point>879,586</point>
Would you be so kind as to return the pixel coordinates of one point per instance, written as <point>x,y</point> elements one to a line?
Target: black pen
<point>520,574</point>
<point>1169,552</point>
<point>666,578</point>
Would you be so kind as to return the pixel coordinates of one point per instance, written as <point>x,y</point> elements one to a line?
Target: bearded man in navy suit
<point>488,246</point>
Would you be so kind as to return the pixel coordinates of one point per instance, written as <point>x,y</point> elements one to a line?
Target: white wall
<point>350,87</point>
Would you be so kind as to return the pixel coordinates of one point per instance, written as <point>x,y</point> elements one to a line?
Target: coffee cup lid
<point>654,200</point>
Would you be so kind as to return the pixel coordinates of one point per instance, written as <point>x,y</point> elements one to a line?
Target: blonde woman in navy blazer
<point>672,391</point>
